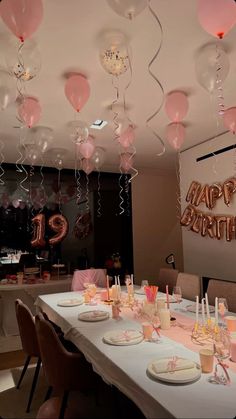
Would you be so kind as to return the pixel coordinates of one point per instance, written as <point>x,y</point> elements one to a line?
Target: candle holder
<point>203,334</point>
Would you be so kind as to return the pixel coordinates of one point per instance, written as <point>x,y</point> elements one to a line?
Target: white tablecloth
<point>28,294</point>
<point>125,367</point>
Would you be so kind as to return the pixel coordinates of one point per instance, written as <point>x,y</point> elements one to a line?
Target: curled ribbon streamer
<point>31,174</point>
<point>59,190</point>
<point>26,173</point>
<point>158,82</point>
<point>216,120</point>
<point>78,186</point>
<point>2,171</point>
<point>42,181</point>
<point>220,96</point>
<point>127,194</point>
<point>116,125</point>
<point>18,169</point>
<point>87,194</point>
<point>99,206</point>
<point>120,194</point>
<point>125,91</point>
<point>179,192</point>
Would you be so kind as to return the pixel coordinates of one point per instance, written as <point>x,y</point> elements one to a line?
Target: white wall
<point>203,255</point>
<point>156,229</point>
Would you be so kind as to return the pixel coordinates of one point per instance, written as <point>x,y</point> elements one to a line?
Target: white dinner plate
<point>123,337</point>
<point>192,308</point>
<point>176,377</point>
<point>70,302</point>
<point>93,316</point>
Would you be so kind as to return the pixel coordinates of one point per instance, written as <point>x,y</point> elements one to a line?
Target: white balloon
<point>78,131</point>
<point>33,154</point>
<point>127,8</point>
<point>23,62</point>
<point>98,157</point>
<point>211,64</point>
<point>115,54</point>
<point>41,136</point>
<point>58,156</point>
<point>7,90</point>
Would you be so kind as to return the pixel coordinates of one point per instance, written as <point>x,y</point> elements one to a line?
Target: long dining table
<point>126,366</point>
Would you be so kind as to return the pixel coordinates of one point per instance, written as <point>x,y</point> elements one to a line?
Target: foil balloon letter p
<point>59,224</point>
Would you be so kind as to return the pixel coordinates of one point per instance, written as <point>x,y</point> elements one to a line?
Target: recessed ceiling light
<point>98,124</point>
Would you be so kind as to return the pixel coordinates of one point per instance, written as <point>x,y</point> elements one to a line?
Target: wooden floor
<point>12,359</point>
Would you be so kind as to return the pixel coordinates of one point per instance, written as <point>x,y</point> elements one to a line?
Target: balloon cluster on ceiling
<point>23,61</point>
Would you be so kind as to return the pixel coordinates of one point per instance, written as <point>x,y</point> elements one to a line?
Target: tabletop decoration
<point>116,309</point>
<point>129,282</point>
<point>108,300</point>
<point>151,293</point>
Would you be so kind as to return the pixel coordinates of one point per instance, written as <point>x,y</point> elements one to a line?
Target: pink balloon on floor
<point>176,106</point>
<point>127,137</point>
<point>30,111</point>
<point>87,148</point>
<point>217,17</point>
<point>77,91</point>
<point>126,161</point>
<point>175,134</point>
<point>22,16</point>
<point>229,119</point>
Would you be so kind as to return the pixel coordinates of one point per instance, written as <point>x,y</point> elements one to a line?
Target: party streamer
<point>99,206</point>
<point>115,114</point>
<point>2,171</point>
<point>87,193</point>
<point>127,195</point>
<point>159,83</point>
<point>120,194</point>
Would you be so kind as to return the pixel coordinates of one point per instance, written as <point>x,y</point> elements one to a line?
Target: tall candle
<point>167,297</point>
<point>203,312</point>
<point>108,291</point>
<point>197,308</point>
<point>216,311</point>
<point>207,306</point>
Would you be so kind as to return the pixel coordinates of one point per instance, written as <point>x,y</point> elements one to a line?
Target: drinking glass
<point>144,283</point>
<point>177,294</point>
<point>222,309</point>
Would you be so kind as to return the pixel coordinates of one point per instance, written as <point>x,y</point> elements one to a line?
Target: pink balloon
<point>126,161</point>
<point>22,16</point>
<point>77,91</point>
<point>176,106</point>
<point>87,166</point>
<point>217,17</point>
<point>229,119</point>
<point>87,148</point>
<point>30,111</point>
<point>127,137</point>
<point>175,134</point>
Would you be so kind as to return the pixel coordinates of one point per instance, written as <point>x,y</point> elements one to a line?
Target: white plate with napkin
<point>179,371</point>
<point>70,302</point>
<point>123,337</point>
<point>93,316</point>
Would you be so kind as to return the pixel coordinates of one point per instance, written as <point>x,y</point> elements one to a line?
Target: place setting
<point>70,302</point>
<point>175,370</point>
<point>93,316</point>
<point>123,337</point>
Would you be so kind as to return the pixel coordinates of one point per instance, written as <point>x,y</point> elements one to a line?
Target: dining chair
<point>91,276</point>
<point>190,285</point>
<point>64,370</point>
<point>221,288</point>
<point>167,276</point>
<point>29,342</point>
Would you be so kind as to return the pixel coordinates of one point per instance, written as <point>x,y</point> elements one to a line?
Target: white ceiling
<point>69,40</point>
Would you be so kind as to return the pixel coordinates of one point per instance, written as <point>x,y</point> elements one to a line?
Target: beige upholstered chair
<point>167,276</point>
<point>190,285</point>
<point>225,289</point>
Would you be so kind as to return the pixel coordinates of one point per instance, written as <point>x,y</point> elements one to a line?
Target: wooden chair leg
<point>63,404</point>
<point>23,371</point>
<point>48,394</point>
<point>33,384</point>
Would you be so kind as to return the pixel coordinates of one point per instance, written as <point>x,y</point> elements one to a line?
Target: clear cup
<point>147,330</point>
<point>206,360</point>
